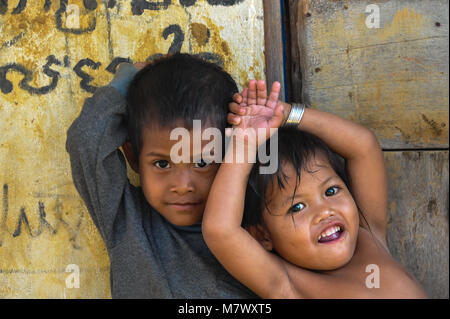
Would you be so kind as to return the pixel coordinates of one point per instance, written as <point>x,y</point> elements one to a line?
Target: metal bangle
<point>295,115</point>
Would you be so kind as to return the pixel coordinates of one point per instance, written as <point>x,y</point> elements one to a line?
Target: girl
<point>311,233</point>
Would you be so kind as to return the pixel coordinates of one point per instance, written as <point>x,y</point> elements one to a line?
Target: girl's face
<point>318,228</point>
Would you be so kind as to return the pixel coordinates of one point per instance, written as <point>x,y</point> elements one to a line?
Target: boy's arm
<point>93,141</point>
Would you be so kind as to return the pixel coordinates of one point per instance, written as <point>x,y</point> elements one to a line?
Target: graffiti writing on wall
<point>137,6</point>
<point>23,224</point>
<point>80,67</point>
<point>85,79</point>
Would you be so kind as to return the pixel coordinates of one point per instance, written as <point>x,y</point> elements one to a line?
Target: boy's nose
<point>182,183</point>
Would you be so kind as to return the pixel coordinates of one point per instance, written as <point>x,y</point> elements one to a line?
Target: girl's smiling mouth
<point>331,233</point>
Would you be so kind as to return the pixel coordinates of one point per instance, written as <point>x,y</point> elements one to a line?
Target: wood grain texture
<point>294,54</point>
<point>393,79</point>
<point>418,226</point>
<point>273,44</point>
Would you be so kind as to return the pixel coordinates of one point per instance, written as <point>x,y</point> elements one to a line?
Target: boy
<point>153,233</point>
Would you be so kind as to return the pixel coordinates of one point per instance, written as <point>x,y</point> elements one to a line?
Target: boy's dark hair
<point>175,90</point>
<point>295,147</point>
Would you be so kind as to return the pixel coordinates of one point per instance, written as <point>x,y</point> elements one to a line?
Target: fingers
<point>245,96</point>
<point>237,109</point>
<point>261,92</point>
<point>237,98</point>
<point>241,98</point>
<point>233,119</point>
<point>252,94</point>
<point>274,93</point>
<point>257,94</point>
<point>275,121</point>
<point>278,117</point>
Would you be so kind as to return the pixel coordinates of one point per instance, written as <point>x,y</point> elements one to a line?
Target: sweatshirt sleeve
<point>98,166</point>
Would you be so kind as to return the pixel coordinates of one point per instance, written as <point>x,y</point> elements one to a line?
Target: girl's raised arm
<point>364,162</point>
<point>363,154</point>
<point>240,254</point>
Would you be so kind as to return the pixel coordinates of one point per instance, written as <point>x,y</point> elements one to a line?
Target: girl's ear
<point>129,155</point>
<point>262,235</point>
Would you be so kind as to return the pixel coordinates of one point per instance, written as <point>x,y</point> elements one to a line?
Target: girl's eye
<point>297,207</point>
<point>201,164</point>
<point>332,191</point>
<point>162,164</point>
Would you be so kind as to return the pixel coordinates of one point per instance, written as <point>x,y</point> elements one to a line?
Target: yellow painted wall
<point>45,53</point>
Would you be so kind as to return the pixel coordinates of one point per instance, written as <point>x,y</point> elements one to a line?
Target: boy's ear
<point>262,235</point>
<point>129,155</point>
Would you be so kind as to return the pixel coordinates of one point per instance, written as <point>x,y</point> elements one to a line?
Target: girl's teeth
<point>330,231</point>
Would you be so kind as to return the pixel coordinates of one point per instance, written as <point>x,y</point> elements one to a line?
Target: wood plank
<point>418,228</point>
<point>274,44</point>
<point>294,54</point>
<point>393,79</point>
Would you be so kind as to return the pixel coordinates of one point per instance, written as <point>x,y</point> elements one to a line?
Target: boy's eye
<point>201,164</point>
<point>332,191</point>
<point>297,207</point>
<point>162,164</point>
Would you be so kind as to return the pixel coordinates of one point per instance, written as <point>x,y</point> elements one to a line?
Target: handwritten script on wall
<point>55,54</point>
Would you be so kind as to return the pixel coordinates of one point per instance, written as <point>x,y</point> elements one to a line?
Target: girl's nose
<point>182,182</point>
<point>323,214</point>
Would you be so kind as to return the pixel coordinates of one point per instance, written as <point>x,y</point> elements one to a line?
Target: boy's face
<point>305,231</point>
<point>177,191</point>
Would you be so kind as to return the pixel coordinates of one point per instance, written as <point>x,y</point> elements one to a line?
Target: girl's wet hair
<point>294,147</point>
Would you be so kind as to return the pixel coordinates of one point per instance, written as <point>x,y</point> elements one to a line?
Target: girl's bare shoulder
<point>381,275</point>
<point>371,273</point>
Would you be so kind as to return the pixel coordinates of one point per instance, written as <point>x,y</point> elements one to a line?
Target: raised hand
<point>255,110</point>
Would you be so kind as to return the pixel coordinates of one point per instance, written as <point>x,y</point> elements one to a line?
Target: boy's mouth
<point>184,206</point>
<point>331,233</point>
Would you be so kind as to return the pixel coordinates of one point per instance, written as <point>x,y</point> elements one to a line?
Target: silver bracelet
<point>295,115</point>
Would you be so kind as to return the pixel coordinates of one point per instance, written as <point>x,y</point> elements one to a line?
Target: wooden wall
<point>392,78</point>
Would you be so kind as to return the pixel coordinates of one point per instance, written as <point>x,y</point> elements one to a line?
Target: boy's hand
<point>140,65</point>
<point>255,110</point>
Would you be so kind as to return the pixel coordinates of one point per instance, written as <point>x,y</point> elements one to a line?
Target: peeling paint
<point>393,79</point>
<point>47,69</point>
